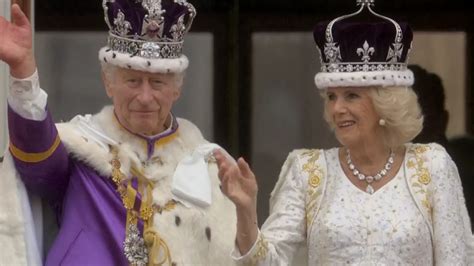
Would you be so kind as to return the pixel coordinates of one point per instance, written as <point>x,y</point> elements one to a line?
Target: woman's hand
<point>239,185</point>
<point>16,46</point>
<point>237,181</point>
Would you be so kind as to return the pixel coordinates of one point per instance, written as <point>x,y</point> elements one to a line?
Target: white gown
<point>354,227</point>
<point>418,218</point>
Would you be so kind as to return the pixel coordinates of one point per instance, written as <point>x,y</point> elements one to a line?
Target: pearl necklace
<point>369,178</point>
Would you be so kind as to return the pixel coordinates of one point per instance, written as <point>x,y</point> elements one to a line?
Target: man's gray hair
<point>109,71</point>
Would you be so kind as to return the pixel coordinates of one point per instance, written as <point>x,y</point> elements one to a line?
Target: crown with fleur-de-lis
<point>147,34</point>
<point>361,53</point>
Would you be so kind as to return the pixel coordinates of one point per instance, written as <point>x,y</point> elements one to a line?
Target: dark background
<point>232,23</point>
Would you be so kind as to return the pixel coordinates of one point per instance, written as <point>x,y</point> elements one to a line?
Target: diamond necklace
<point>369,178</point>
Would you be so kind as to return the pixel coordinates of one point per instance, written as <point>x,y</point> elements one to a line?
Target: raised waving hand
<point>240,186</point>
<point>237,180</point>
<point>16,46</point>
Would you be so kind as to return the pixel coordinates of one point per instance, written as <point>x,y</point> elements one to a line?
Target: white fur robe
<point>195,235</point>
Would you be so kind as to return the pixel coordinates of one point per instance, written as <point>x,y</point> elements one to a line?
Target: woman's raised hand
<point>16,46</point>
<point>238,181</point>
<point>239,185</point>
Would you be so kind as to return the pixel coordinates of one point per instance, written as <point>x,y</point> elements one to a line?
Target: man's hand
<point>16,46</point>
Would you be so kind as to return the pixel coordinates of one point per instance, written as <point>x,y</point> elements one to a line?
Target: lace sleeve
<point>451,225</point>
<point>26,97</point>
<point>285,228</point>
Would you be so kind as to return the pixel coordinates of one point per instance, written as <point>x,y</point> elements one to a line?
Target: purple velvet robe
<point>90,212</point>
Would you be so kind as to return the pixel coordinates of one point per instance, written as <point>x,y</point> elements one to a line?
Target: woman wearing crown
<point>376,200</point>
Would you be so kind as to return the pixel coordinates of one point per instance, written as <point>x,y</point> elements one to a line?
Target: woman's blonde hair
<point>400,109</point>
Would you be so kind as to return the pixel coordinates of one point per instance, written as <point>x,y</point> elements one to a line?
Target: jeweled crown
<point>148,28</point>
<point>361,53</point>
<point>147,35</point>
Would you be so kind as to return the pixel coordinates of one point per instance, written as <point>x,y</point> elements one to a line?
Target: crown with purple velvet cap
<point>147,35</point>
<point>360,54</point>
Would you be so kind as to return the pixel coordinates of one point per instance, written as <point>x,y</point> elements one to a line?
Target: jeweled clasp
<point>366,2</point>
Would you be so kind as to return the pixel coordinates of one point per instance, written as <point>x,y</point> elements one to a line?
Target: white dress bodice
<point>318,217</point>
<point>357,228</point>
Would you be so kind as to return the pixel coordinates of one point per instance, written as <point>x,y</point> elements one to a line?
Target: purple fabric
<point>151,141</point>
<point>173,12</point>
<point>138,203</point>
<point>92,226</point>
<point>31,136</point>
<point>350,36</point>
<point>150,147</point>
<point>135,13</point>
<point>89,210</point>
<point>39,174</point>
<point>138,197</point>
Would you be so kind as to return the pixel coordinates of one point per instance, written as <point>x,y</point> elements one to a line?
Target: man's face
<point>142,100</point>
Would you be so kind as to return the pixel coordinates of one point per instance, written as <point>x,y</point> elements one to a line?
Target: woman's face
<point>351,112</point>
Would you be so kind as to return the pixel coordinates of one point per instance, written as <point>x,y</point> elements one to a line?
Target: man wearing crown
<point>131,185</point>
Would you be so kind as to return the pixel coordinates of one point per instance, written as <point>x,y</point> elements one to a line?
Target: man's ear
<point>107,83</point>
<point>176,94</point>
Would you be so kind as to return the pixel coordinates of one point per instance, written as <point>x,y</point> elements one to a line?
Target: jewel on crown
<point>153,23</point>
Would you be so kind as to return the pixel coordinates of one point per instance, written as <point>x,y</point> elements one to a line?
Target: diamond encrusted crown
<point>361,53</point>
<point>152,29</point>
